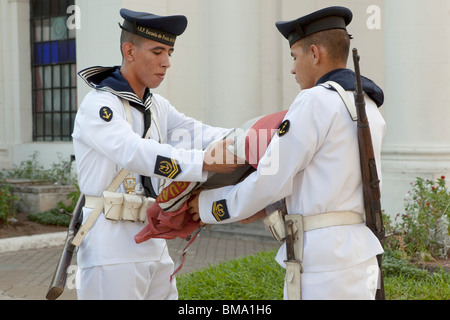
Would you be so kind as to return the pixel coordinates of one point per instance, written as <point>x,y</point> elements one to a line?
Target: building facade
<point>231,65</point>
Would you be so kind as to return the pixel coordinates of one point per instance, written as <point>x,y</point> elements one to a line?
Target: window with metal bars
<point>54,70</point>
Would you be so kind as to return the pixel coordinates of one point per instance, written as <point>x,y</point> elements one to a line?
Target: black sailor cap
<point>163,29</point>
<point>325,19</point>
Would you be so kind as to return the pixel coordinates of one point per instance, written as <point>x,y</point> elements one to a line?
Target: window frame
<point>54,76</point>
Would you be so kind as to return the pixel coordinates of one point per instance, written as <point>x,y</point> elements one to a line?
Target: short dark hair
<point>335,41</point>
<point>131,38</point>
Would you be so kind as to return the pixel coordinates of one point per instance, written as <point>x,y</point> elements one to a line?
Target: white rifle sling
<point>351,107</point>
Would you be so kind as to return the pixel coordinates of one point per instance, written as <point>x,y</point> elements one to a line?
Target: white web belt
<point>294,268</point>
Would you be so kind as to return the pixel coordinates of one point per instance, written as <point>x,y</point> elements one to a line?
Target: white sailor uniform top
<point>105,143</point>
<point>314,163</point>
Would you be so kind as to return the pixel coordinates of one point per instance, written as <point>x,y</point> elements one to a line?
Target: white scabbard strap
<point>98,210</point>
<point>293,280</point>
<point>294,268</point>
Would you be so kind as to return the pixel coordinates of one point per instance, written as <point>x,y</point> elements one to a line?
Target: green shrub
<point>424,226</point>
<point>404,281</point>
<point>50,217</point>
<point>33,170</point>
<point>7,209</point>
<point>54,216</point>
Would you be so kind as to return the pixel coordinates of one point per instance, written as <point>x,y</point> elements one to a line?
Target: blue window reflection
<point>55,52</point>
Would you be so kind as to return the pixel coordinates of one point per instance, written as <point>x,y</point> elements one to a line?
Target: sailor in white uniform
<point>109,136</point>
<point>317,155</point>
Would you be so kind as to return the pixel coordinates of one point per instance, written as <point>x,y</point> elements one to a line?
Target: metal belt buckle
<point>130,185</point>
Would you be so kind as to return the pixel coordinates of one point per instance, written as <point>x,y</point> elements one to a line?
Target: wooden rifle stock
<point>371,182</point>
<point>59,278</point>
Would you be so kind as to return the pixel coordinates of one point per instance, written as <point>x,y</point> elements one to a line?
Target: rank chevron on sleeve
<point>166,167</point>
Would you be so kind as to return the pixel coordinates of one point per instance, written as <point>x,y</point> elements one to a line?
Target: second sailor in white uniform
<point>316,154</point>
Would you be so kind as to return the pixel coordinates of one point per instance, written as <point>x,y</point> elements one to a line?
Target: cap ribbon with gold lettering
<point>163,29</point>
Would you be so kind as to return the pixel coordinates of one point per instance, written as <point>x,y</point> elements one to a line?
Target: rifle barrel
<point>60,276</point>
<point>356,59</point>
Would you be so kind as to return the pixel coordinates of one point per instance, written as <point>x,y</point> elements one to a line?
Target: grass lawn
<point>259,277</point>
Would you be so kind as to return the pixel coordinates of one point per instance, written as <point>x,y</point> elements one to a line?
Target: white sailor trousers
<point>359,282</point>
<point>128,281</point>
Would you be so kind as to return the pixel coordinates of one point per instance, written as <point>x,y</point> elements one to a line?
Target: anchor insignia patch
<point>220,210</point>
<point>106,114</point>
<point>284,128</point>
<point>166,167</point>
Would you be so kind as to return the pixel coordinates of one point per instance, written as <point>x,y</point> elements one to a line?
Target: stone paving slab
<point>26,274</point>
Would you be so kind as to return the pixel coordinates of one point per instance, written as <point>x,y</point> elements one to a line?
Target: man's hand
<point>193,206</point>
<point>220,160</point>
<point>258,216</point>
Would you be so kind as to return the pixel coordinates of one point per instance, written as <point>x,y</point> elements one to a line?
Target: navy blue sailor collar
<point>347,79</point>
<point>111,80</point>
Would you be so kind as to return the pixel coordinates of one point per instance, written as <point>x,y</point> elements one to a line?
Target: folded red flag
<point>169,217</point>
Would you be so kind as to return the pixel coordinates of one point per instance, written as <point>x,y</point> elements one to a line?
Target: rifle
<point>59,278</point>
<point>371,183</point>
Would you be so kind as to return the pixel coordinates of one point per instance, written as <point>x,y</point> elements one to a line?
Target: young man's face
<point>152,59</point>
<point>302,67</point>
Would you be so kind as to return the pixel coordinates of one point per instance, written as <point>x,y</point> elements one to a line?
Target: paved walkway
<point>26,273</point>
